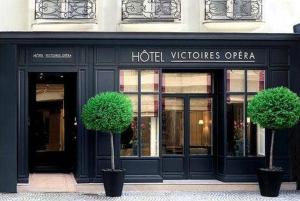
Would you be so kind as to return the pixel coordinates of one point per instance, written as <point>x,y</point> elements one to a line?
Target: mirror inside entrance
<point>49,117</point>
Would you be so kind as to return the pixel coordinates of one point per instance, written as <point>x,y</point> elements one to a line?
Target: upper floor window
<point>233,10</point>
<point>65,9</point>
<point>151,10</point>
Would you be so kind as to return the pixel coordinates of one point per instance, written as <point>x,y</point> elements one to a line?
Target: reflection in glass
<point>200,126</point>
<point>129,138</point>
<point>128,81</point>
<point>255,80</point>
<point>255,137</point>
<point>186,83</point>
<point>235,80</point>
<point>149,80</point>
<point>149,125</point>
<point>172,125</point>
<point>48,121</point>
<point>235,125</point>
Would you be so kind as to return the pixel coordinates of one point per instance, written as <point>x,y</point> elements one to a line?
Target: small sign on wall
<point>52,55</point>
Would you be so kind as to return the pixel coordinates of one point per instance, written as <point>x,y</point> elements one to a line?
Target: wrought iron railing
<point>151,10</point>
<point>233,10</point>
<point>65,9</point>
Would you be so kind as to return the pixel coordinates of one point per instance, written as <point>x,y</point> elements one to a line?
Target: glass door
<point>173,126</point>
<point>187,122</point>
<point>200,129</point>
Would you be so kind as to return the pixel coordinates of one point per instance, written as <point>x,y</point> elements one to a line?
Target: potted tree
<point>275,108</point>
<point>109,112</point>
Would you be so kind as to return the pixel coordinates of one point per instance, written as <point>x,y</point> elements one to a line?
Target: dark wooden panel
<point>173,164</point>
<point>141,167</point>
<point>104,163</point>
<point>279,78</point>
<point>281,142</point>
<point>82,55</point>
<point>102,144</point>
<point>105,56</point>
<point>201,164</point>
<point>22,56</point>
<point>279,57</point>
<point>243,166</point>
<point>82,171</point>
<point>8,118</point>
<point>220,165</point>
<point>105,80</point>
<point>23,172</point>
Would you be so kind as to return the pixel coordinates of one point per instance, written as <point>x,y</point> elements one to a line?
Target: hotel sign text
<point>221,55</point>
<point>52,55</point>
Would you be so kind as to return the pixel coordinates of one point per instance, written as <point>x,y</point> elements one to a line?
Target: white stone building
<point>255,16</point>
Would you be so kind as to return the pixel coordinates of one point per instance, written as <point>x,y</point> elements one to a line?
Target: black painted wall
<point>8,119</point>
<point>96,63</point>
<point>295,132</point>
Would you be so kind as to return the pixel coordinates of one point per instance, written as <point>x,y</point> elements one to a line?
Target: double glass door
<point>187,133</point>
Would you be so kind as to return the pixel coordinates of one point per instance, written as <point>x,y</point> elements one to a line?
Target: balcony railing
<point>151,10</point>
<point>233,10</point>
<point>65,9</point>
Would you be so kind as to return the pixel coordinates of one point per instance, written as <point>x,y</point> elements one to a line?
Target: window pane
<point>149,125</point>
<point>65,9</point>
<point>255,137</point>
<point>186,83</point>
<point>200,126</point>
<point>128,81</point>
<point>129,138</point>
<point>235,126</point>
<point>151,10</point>
<point>255,80</point>
<point>172,125</point>
<point>242,9</point>
<point>149,80</point>
<point>233,9</point>
<point>235,81</point>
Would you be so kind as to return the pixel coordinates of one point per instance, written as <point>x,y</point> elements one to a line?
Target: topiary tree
<point>109,112</point>
<point>275,108</point>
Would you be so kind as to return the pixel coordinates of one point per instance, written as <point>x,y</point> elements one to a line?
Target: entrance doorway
<point>52,122</point>
<point>187,125</point>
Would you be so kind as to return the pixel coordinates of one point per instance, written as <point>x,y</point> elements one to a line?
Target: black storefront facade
<point>219,72</point>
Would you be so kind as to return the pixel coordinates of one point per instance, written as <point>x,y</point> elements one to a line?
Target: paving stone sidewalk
<point>153,196</point>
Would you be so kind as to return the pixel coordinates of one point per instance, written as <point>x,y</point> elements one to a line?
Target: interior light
<point>201,122</point>
<point>248,120</point>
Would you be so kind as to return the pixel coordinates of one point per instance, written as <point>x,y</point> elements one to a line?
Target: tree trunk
<point>271,150</point>
<point>112,151</point>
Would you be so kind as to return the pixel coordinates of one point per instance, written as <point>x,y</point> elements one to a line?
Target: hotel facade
<point>189,67</point>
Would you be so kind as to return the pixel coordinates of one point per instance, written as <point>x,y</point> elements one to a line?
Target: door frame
<point>23,113</point>
<point>67,81</point>
<point>211,159</point>
<point>186,131</point>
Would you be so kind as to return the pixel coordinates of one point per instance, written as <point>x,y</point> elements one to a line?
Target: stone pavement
<point>63,187</point>
<point>152,196</point>
<point>66,183</point>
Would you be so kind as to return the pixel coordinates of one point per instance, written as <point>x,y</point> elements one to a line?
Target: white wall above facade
<point>279,16</point>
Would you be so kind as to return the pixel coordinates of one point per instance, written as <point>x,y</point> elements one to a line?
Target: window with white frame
<point>233,10</point>
<point>65,9</point>
<point>151,10</point>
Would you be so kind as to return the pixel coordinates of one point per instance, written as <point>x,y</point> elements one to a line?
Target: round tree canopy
<point>275,108</point>
<point>108,112</point>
